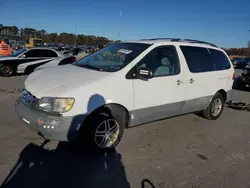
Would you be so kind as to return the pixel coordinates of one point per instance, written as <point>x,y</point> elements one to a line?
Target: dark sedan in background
<point>28,60</point>
<point>244,81</point>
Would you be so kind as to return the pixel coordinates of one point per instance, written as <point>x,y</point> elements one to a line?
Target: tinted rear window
<point>219,59</point>
<point>49,53</point>
<point>204,59</point>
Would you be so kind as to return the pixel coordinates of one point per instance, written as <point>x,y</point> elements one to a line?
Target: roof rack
<point>202,42</point>
<point>171,39</point>
<point>183,40</point>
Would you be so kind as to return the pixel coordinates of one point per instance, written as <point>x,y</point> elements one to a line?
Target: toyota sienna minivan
<point>124,85</point>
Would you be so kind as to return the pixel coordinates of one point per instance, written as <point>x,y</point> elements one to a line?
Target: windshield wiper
<point>91,67</point>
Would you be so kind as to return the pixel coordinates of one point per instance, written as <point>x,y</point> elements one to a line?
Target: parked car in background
<point>27,60</point>
<point>18,45</point>
<point>241,63</point>
<point>244,81</point>
<point>235,61</point>
<point>55,47</point>
<point>88,49</point>
<point>124,85</point>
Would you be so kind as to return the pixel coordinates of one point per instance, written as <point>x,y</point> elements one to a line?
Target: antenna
<point>120,24</point>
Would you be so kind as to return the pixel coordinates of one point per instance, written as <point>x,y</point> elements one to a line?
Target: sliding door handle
<point>191,80</point>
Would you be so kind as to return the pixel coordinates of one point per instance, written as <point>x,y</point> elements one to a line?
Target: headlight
<point>245,71</point>
<point>59,105</point>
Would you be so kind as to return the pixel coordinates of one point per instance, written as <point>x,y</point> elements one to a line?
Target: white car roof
<point>188,42</point>
<point>46,48</point>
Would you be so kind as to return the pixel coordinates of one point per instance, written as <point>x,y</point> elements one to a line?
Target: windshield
<point>18,52</point>
<point>113,57</point>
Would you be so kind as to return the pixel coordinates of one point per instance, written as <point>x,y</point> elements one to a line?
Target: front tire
<point>215,107</point>
<point>103,129</point>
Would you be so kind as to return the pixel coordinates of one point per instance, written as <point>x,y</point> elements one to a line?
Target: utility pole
<point>248,41</point>
<point>75,35</point>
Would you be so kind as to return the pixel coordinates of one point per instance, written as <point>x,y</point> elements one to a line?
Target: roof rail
<point>171,39</point>
<point>202,42</point>
<point>183,40</point>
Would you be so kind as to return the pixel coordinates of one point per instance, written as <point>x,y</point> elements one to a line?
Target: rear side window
<point>197,59</point>
<point>204,60</point>
<point>219,59</point>
<point>49,53</point>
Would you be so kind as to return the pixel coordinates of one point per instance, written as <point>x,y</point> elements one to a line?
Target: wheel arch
<point>223,93</point>
<point>114,107</point>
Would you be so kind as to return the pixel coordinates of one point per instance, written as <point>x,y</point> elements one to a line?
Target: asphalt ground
<point>186,151</point>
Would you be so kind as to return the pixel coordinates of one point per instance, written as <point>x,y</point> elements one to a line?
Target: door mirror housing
<point>144,73</point>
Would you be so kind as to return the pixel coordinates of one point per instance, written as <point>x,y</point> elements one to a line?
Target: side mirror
<point>144,73</point>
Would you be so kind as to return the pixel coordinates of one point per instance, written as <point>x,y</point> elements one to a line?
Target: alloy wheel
<point>107,133</point>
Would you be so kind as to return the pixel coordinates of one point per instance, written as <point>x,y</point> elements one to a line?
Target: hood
<point>56,81</point>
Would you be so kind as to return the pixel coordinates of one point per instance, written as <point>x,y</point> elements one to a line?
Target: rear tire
<point>215,107</point>
<point>103,129</point>
<point>6,70</point>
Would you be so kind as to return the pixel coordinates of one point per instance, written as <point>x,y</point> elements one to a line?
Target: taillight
<point>234,76</point>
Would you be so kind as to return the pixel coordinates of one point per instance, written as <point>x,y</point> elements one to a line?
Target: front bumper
<point>51,127</point>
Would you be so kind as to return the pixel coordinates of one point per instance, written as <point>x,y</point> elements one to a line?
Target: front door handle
<point>179,82</point>
<point>191,80</point>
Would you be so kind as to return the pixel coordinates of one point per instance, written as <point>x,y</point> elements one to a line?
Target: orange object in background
<point>5,49</point>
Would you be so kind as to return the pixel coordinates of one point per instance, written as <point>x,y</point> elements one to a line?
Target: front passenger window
<point>162,61</point>
<point>33,53</point>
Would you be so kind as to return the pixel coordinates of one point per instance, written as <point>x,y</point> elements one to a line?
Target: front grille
<point>28,98</point>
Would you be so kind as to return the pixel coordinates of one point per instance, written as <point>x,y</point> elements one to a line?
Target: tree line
<point>238,51</point>
<point>22,34</point>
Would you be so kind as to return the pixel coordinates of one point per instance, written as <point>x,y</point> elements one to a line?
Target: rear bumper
<point>49,126</point>
<point>229,95</point>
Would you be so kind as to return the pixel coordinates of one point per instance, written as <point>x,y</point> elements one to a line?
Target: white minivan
<point>124,85</point>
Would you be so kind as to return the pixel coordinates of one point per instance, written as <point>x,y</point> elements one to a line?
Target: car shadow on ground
<point>69,165</point>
